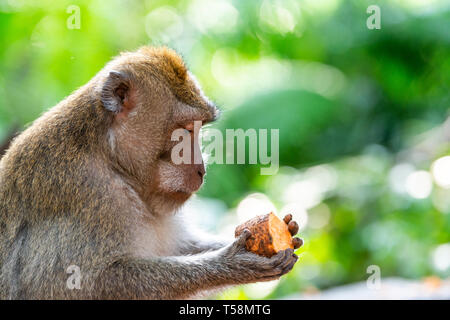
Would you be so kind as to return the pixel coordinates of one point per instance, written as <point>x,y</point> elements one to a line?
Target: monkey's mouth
<point>181,195</point>
<point>183,192</point>
<point>189,188</point>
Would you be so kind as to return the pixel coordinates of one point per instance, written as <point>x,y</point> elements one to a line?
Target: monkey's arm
<point>192,240</point>
<point>200,242</point>
<point>181,277</point>
<point>160,278</point>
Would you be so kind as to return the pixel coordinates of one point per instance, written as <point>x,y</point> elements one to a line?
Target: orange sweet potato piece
<point>269,235</point>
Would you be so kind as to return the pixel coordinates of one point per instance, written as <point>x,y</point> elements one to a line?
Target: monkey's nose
<point>201,170</point>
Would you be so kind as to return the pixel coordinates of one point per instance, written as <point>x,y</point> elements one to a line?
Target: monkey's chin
<point>180,196</point>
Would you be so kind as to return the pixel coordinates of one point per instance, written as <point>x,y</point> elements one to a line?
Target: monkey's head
<point>157,109</point>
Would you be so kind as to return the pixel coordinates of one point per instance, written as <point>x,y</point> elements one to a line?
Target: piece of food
<point>269,235</point>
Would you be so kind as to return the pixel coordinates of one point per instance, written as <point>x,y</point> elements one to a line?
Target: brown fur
<point>90,184</point>
<point>65,194</point>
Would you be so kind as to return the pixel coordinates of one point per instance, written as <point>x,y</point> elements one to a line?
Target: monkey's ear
<point>116,93</point>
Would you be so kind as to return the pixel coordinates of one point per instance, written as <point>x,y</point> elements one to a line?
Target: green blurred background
<point>364,142</point>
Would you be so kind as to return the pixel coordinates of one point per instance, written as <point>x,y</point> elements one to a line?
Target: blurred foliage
<point>362,108</point>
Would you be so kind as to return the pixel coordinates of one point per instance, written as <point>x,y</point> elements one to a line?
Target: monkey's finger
<point>297,242</point>
<point>285,265</point>
<point>287,218</point>
<point>293,227</point>
<point>281,257</point>
<point>240,242</point>
<point>290,256</point>
<point>246,233</point>
<point>290,265</point>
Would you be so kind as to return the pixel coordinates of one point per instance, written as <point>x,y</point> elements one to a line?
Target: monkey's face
<point>180,167</point>
<point>156,129</point>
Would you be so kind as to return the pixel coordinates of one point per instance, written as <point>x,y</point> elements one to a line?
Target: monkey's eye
<point>165,155</point>
<point>189,127</point>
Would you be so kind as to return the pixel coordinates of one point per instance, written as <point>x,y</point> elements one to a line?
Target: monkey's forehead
<point>165,64</point>
<point>167,59</point>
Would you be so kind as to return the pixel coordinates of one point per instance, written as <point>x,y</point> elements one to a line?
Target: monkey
<point>90,186</point>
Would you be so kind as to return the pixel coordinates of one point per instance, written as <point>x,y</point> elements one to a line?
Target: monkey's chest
<point>153,241</point>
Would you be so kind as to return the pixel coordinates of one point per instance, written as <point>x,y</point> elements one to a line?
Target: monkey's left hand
<point>293,229</point>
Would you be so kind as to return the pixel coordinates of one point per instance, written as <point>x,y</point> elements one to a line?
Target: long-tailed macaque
<point>89,190</point>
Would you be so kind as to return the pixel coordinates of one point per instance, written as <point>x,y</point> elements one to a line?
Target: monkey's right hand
<point>247,267</point>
